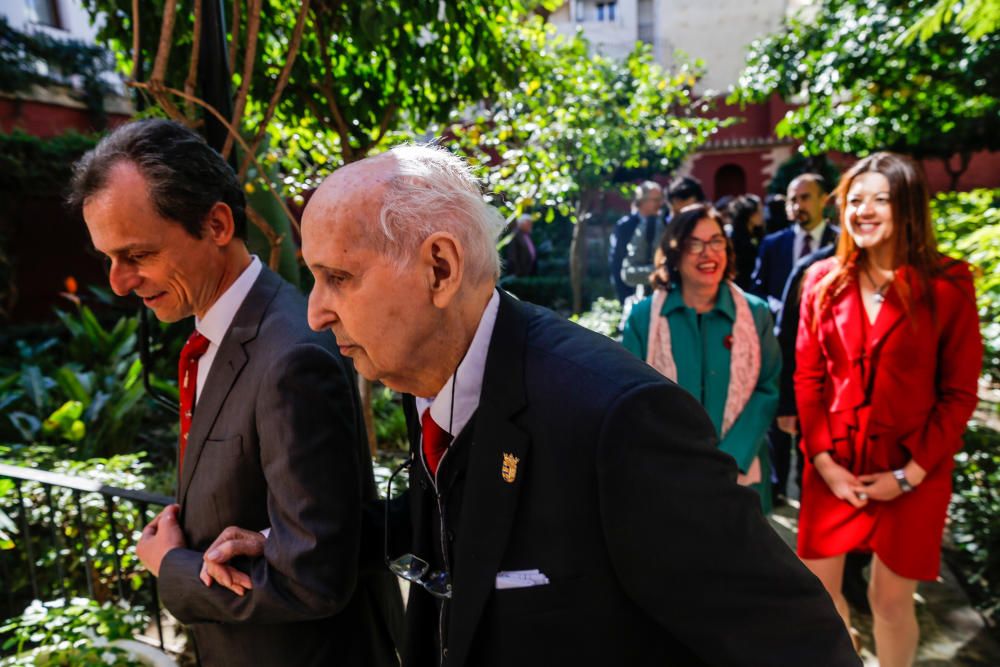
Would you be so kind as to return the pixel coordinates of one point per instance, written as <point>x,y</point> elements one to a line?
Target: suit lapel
<point>226,368</point>
<point>491,489</point>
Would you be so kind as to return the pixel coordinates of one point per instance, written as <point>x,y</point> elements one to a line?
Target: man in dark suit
<point>778,253</point>
<point>568,505</point>
<point>522,256</point>
<point>271,432</point>
<point>645,212</point>
<point>781,250</point>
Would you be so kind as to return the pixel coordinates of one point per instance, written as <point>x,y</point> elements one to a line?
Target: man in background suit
<point>568,504</point>
<point>778,253</point>
<point>522,256</point>
<point>271,433</point>
<point>809,232</point>
<point>645,215</point>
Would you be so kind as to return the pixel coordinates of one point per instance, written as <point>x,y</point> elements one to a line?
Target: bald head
<point>401,197</point>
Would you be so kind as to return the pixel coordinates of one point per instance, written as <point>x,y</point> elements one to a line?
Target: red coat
<point>876,396</point>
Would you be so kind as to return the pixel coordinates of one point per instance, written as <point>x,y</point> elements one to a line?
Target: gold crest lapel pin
<point>509,468</point>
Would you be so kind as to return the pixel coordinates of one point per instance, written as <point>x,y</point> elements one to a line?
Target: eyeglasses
<point>408,566</point>
<point>694,246</point>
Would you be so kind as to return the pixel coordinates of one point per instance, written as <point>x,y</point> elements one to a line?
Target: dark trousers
<point>779,446</point>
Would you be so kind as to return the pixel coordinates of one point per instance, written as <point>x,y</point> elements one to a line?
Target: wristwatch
<point>901,478</point>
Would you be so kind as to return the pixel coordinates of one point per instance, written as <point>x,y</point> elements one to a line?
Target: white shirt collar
<point>216,322</point>
<point>464,394</point>
<point>816,233</point>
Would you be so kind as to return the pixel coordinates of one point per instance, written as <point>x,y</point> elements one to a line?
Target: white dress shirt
<point>800,234</point>
<point>463,388</point>
<point>220,316</point>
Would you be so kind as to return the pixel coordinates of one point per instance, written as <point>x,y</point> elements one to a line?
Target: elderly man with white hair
<point>567,504</point>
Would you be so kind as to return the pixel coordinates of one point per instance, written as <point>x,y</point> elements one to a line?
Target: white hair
<point>432,190</point>
<point>645,189</point>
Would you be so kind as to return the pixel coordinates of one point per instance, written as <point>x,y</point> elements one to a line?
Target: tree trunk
<point>578,251</point>
<point>365,389</point>
<point>956,174</point>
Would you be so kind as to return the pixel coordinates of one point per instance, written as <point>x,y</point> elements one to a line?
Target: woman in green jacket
<point>712,339</point>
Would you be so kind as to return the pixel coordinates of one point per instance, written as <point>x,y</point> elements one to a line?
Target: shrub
<point>968,227</point>
<point>604,317</point>
<point>974,526</point>
<point>78,631</point>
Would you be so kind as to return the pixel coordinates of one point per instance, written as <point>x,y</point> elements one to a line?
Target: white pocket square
<point>520,579</point>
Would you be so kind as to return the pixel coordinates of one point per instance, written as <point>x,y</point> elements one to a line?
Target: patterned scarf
<point>744,360</point>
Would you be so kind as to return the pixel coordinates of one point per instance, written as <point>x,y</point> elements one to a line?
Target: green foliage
<point>78,632</point>
<point>577,120</point>
<point>39,167</point>
<point>59,561</point>
<point>85,396</point>
<point>390,422</point>
<point>364,69</point>
<point>976,18</point>
<point>974,515</point>
<point>39,59</point>
<point>864,89</point>
<point>968,227</point>
<point>604,317</point>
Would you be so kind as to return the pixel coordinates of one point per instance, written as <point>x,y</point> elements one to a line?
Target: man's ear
<point>444,258</point>
<point>219,224</point>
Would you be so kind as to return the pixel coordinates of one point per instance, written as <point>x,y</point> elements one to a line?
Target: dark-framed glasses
<point>410,567</point>
<point>695,246</point>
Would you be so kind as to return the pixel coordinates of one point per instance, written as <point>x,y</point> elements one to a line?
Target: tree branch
<point>286,71</point>
<point>253,28</point>
<point>135,40</point>
<point>235,36</point>
<point>166,34</point>
<point>273,239</point>
<point>192,77</point>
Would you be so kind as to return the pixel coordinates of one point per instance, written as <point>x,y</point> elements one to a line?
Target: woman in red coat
<point>888,359</point>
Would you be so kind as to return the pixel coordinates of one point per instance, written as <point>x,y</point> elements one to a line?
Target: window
<point>45,12</point>
<point>581,11</point>
<point>606,11</point>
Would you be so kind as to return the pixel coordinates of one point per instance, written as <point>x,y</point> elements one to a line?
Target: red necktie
<point>187,380</point>
<point>435,441</point>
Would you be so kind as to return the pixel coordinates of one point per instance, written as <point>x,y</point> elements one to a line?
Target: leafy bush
<point>63,529</point>
<point>76,632</point>
<point>968,227</point>
<point>83,393</point>
<point>390,422</point>
<point>604,317</point>
<point>974,514</point>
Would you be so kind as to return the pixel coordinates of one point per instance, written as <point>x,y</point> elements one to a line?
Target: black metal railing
<point>75,534</point>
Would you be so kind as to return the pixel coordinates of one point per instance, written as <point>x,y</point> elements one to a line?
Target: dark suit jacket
<point>788,327</point>
<point>277,441</point>
<point>520,260</point>
<point>621,498</point>
<point>775,261</point>
<point>617,249</point>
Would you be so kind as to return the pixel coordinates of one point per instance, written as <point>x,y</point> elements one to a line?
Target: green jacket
<point>702,353</point>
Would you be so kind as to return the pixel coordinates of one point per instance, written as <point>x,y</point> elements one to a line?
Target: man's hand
<point>160,535</point>
<point>789,424</point>
<point>841,481</point>
<point>230,543</point>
